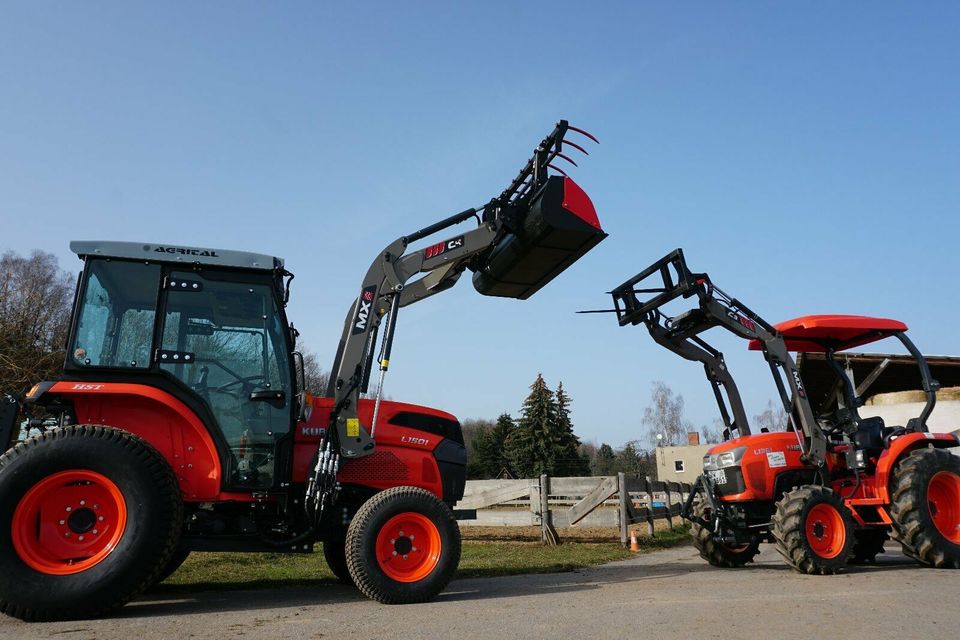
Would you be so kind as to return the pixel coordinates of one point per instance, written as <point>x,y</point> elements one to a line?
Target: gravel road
<point>667,594</point>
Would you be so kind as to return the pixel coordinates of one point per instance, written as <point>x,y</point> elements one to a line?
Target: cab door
<point>223,336</point>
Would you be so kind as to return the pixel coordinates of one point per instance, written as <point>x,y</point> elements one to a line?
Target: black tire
<point>179,556</point>
<point>717,553</point>
<point>914,507</point>
<point>867,545</point>
<point>335,553</point>
<point>371,573</point>
<point>146,490</point>
<point>813,530</point>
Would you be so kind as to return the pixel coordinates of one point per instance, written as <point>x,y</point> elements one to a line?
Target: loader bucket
<point>558,227</point>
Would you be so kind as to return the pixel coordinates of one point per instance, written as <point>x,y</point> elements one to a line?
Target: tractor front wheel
<point>89,517</point>
<point>403,546</point>
<point>717,553</point>
<point>813,530</point>
<point>926,507</point>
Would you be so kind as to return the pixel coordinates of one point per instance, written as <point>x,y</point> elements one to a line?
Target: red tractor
<point>833,487</point>
<point>182,424</point>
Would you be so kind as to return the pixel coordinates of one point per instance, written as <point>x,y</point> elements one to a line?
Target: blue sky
<point>806,156</point>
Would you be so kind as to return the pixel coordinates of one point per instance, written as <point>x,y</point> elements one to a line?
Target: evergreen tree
<point>605,464</point>
<point>479,445</point>
<point>534,438</point>
<point>489,455</point>
<point>567,458</point>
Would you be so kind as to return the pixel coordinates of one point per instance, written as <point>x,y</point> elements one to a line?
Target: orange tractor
<point>181,422</point>
<point>833,487</point>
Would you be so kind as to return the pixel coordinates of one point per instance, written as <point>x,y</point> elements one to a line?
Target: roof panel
<point>817,333</point>
<point>175,254</point>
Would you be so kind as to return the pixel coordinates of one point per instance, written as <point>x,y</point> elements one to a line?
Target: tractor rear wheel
<point>89,517</point>
<point>717,553</point>
<point>403,546</point>
<point>867,545</point>
<point>926,507</point>
<point>813,530</point>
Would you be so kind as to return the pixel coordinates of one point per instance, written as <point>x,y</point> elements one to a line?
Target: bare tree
<point>664,417</point>
<point>35,301</point>
<point>712,434</point>
<point>773,418</point>
<point>316,377</point>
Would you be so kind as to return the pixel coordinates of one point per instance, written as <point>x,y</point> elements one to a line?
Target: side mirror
<point>273,398</point>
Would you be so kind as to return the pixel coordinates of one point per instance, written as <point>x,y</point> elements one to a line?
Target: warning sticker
<point>776,459</point>
<point>353,427</point>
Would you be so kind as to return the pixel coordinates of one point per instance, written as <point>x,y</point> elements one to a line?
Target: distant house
<point>681,463</point>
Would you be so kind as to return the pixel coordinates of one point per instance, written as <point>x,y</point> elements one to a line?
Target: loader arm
<point>681,334</point>
<point>526,236</point>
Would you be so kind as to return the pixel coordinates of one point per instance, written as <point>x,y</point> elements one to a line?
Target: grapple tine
<point>568,159</point>
<point>581,131</point>
<point>577,147</point>
<point>558,170</point>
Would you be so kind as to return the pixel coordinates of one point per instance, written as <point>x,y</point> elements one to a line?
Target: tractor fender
<point>900,448</point>
<point>159,418</point>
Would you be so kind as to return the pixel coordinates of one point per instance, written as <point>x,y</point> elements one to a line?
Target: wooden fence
<point>603,501</point>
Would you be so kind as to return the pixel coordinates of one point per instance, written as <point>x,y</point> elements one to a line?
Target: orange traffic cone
<point>634,545</point>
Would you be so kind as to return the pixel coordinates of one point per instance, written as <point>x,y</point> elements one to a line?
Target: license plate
<point>719,476</point>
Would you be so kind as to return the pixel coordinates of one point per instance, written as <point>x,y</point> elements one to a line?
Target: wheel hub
<point>943,500</point>
<point>826,533</point>
<point>408,547</point>
<point>82,520</point>
<point>68,522</point>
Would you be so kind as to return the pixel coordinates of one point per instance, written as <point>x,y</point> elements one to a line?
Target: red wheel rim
<point>943,499</point>
<point>826,531</point>
<point>408,547</point>
<point>68,522</point>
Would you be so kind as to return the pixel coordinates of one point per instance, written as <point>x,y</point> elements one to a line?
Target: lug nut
<point>69,509</point>
<point>94,532</point>
<point>63,522</point>
<point>394,553</point>
<point>80,538</point>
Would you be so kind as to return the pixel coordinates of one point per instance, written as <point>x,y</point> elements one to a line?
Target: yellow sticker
<point>353,427</point>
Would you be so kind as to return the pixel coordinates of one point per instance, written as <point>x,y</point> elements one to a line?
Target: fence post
<point>669,502</point>
<point>623,510</point>
<point>650,529</point>
<point>548,535</point>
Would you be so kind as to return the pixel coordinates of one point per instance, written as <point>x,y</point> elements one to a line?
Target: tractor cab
<point>205,325</point>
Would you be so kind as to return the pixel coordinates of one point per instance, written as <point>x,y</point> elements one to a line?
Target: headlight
<point>723,460</point>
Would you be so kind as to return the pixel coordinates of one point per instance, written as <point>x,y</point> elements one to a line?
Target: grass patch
<point>224,571</point>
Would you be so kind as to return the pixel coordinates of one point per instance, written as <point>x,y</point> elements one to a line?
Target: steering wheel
<point>247,382</point>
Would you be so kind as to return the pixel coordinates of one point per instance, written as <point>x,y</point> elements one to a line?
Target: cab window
<point>116,318</point>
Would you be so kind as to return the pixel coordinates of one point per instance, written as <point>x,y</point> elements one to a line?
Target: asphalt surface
<point>667,594</point>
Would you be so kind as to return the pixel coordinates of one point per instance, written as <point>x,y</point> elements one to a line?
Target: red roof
<point>817,333</point>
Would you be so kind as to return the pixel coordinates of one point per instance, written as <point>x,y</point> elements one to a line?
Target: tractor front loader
<point>182,423</point>
<point>832,488</point>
